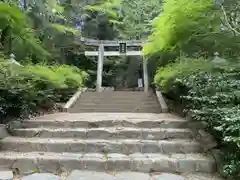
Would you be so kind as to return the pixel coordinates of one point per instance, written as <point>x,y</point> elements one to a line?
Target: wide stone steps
<point>52,162</point>
<point>146,142</point>
<point>105,122</point>
<point>105,133</point>
<point>123,146</point>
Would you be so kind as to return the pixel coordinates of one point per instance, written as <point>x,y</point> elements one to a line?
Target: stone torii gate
<point>122,52</point>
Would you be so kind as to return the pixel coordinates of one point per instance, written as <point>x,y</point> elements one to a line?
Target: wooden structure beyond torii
<point>114,43</point>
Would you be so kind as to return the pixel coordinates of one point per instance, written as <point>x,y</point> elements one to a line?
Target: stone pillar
<point>100,67</point>
<point>145,75</point>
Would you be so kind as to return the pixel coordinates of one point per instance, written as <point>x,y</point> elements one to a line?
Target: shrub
<point>63,79</point>
<point>73,76</point>
<point>166,76</point>
<point>210,95</point>
<point>18,93</point>
<point>25,90</point>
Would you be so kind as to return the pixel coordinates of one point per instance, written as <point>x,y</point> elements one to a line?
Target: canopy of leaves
<point>108,7</point>
<point>137,17</point>
<point>179,19</point>
<point>15,22</point>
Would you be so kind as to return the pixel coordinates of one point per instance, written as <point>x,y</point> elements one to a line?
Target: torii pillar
<point>100,67</point>
<point>145,75</point>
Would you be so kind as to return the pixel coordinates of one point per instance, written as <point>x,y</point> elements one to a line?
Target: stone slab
<point>132,176</point>
<point>6,175</point>
<point>89,175</point>
<point>108,162</point>
<point>167,176</point>
<point>201,176</point>
<point>106,133</point>
<point>94,122</point>
<point>41,176</point>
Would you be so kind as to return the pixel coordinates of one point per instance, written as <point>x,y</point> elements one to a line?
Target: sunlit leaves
<point>179,19</point>
<point>13,17</point>
<point>109,7</point>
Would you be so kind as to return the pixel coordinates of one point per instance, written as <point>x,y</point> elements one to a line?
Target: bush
<point>73,76</point>
<point>210,93</point>
<point>25,90</point>
<point>165,76</point>
<point>63,79</point>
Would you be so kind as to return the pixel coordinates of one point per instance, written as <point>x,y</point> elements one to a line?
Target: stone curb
<point>162,102</point>
<point>73,99</point>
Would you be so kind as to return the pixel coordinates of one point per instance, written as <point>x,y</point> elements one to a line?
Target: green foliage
<point>107,7</point>
<point>27,89</point>
<point>72,76</point>
<point>179,19</point>
<point>17,24</point>
<point>211,93</point>
<point>209,90</point>
<point>137,17</point>
<point>183,66</point>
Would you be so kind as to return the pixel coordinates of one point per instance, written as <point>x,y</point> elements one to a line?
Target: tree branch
<point>228,23</point>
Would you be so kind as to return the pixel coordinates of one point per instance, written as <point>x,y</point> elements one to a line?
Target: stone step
<point>119,100</point>
<point>103,108</point>
<point>123,146</point>
<point>116,106</point>
<point>92,110</point>
<point>117,109</point>
<point>116,93</point>
<point>93,175</point>
<point>119,104</point>
<point>51,162</point>
<point>108,96</point>
<point>91,122</point>
<point>106,133</point>
<point>110,116</point>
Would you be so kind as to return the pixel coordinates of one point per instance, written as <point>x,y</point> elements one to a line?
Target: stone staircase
<point>102,141</point>
<point>144,142</point>
<point>117,101</point>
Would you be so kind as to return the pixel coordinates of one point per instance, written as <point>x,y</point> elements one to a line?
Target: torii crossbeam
<point>123,44</point>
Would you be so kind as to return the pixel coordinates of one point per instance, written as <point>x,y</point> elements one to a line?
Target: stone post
<point>145,75</point>
<point>100,67</point>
